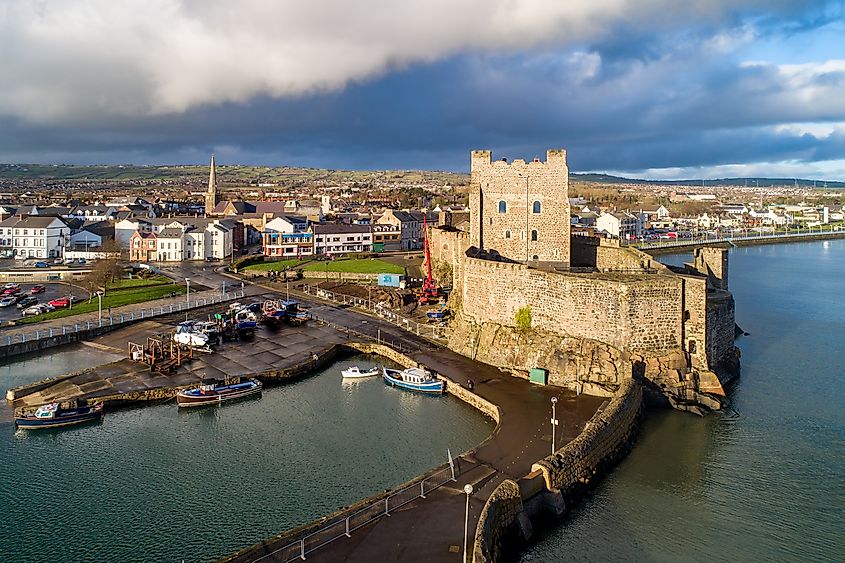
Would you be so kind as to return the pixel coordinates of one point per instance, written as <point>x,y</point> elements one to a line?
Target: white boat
<point>355,371</point>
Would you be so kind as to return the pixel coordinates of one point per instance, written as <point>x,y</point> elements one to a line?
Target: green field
<point>349,266</point>
<point>116,297</point>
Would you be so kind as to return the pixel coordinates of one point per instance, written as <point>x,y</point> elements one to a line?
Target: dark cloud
<point>627,100</point>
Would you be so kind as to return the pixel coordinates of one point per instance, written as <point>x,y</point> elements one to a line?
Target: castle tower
<point>521,209</point>
<point>211,199</point>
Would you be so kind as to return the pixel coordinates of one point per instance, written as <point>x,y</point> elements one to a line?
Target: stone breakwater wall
<point>606,438</point>
<point>501,516</point>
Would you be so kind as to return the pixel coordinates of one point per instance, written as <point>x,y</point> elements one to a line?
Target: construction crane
<point>430,291</point>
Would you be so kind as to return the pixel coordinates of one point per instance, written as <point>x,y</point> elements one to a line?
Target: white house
<point>35,237</point>
<point>341,239</point>
<point>620,224</point>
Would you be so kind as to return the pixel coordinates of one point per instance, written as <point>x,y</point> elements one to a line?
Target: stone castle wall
<point>625,311</point>
<point>499,517</point>
<point>521,209</point>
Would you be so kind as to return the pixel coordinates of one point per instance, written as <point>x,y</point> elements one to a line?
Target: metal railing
<point>433,332</point>
<point>342,526</point>
<point>742,235</point>
<point>117,319</point>
<point>400,346</point>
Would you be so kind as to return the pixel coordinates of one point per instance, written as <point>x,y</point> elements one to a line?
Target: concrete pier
<point>271,355</point>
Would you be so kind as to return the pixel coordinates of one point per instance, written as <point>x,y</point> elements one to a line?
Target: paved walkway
<point>431,529</point>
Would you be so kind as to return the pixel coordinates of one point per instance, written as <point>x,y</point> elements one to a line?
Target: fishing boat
<point>436,315</point>
<point>413,379</point>
<point>215,394</point>
<point>52,416</point>
<point>355,371</point>
<point>246,319</point>
<point>272,311</point>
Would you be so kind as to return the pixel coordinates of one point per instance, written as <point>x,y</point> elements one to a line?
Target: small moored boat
<point>413,379</point>
<point>215,394</point>
<point>355,371</point>
<point>52,416</point>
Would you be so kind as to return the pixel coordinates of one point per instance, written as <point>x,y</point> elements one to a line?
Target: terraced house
<point>34,236</point>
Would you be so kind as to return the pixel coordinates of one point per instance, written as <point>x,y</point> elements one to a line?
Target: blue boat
<point>52,416</point>
<point>413,379</point>
<point>216,394</point>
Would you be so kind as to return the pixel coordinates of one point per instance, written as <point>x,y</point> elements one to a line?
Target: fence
<point>737,237</point>
<point>433,332</point>
<point>342,525</point>
<point>117,319</point>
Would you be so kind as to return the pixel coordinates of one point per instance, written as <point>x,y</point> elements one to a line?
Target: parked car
<point>8,301</point>
<point>27,302</point>
<point>60,302</point>
<point>42,264</point>
<point>82,261</point>
<point>37,310</point>
<point>11,289</point>
<point>37,289</point>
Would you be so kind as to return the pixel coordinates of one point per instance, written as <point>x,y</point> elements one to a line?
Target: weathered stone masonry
<point>628,316</point>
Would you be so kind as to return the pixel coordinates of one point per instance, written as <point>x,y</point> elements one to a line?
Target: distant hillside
<point>226,174</point>
<point>234,175</point>
<point>750,182</point>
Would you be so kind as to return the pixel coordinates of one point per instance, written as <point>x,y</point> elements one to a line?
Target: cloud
<point>73,60</point>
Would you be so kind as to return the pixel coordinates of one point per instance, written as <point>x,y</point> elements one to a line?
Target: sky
<point>647,88</point>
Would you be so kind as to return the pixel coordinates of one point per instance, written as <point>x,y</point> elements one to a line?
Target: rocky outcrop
<point>588,366</point>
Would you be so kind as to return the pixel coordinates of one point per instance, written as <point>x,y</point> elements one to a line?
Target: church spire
<point>211,194</point>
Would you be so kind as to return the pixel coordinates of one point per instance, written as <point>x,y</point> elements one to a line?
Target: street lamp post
<point>554,423</point>
<point>100,308</point>
<point>187,296</point>
<point>468,491</point>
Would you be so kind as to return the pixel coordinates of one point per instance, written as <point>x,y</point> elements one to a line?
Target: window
<point>537,207</point>
<point>507,234</point>
<point>503,207</point>
<point>535,257</point>
<point>692,347</point>
<point>534,235</point>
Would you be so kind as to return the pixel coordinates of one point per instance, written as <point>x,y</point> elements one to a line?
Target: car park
<point>37,289</point>
<point>27,302</point>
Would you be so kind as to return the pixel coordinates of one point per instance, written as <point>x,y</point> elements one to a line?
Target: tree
<point>106,270</point>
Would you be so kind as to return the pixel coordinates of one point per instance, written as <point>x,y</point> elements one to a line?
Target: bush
<point>522,319</point>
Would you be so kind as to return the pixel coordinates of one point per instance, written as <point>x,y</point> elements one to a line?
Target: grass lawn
<point>274,266</point>
<point>356,266</point>
<point>127,283</point>
<point>113,299</point>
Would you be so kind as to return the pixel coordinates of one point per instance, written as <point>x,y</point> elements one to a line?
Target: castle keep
<point>521,210</point>
<point>600,314</point>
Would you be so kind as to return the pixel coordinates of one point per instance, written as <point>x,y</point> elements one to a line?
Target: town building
<point>34,236</point>
<point>288,237</point>
<point>331,238</point>
<point>620,224</point>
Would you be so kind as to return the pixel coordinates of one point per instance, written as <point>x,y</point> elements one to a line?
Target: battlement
<point>480,159</point>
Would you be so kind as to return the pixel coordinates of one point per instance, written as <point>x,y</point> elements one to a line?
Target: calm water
<point>157,484</point>
<point>764,483</point>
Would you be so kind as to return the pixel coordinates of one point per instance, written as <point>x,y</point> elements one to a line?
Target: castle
<point>598,313</point>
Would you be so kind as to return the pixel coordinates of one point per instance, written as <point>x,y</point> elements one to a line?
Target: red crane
<point>429,288</point>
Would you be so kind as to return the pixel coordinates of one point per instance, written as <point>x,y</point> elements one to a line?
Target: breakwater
<point>608,436</point>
